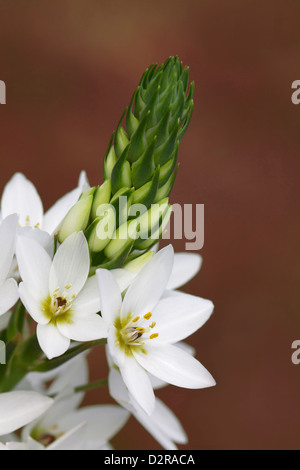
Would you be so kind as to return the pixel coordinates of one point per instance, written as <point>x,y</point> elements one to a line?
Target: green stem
<point>91,386</point>
<point>47,365</point>
<point>16,322</point>
<point>27,357</point>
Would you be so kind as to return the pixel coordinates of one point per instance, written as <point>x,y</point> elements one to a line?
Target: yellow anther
<point>153,324</point>
<point>155,335</point>
<point>135,319</point>
<point>37,225</point>
<point>140,328</point>
<point>148,315</point>
<point>68,286</point>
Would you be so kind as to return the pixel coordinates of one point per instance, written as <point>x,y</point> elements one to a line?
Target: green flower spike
<point>140,167</point>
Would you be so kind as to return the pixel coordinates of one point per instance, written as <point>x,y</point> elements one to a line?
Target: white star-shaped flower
<point>64,427</point>
<point>21,197</point>
<point>145,324</point>
<point>58,294</point>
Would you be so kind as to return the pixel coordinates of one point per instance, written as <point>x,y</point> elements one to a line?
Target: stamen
<point>137,335</point>
<point>68,286</point>
<point>155,335</point>
<point>61,302</point>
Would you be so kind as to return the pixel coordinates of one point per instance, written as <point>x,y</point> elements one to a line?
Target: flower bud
<point>123,237</point>
<point>157,235</point>
<point>138,263</point>
<point>100,232</point>
<point>101,196</point>
<point>148,223</point>
<point>77,218</point>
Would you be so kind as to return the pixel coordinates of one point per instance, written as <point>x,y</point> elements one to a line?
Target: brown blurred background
<point>70,68</point>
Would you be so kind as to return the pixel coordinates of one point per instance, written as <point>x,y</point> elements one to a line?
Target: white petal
<point>175,366</point>
<point>8,229</point>
<point>51,341</point>
<point>63,380</point>
<point>63,405</point>
<point>74,372</point>
<point>86,328</point>
<point>187,348</point>
<point>116,354</point>
<point>71,265</point>
<point>138,383</point>
<point>117,389</point>
<point>19,408</point>
<point>123,277</point>
<point>149,285</point>
<point>4,320</point>
<point>180,315</point>
<point>83,182</point>
<point>155,425</point>
<point>72,440</point>
<point>186,266</point>
<point>166,420</point>
<point>9,295</point>
<point>90,445</point>
<point>40,236</point>
<point>157,383</point>
<point>54,417</point>
<point>88,300</point>
<point>33,303</point>
<point>61,376</point>
<point>3,446</point>
<point>34,265</point>
<point>149,424</point>
<point>103,421</point>
<point>155,248</point>
<point>55,215</point>
<point>34,445</point>
<point>110,295</point>
<point>21,197</point>
<point>15,446</point>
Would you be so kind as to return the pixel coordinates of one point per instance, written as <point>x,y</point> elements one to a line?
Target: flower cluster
<point>65,290</point>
